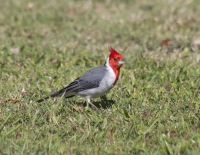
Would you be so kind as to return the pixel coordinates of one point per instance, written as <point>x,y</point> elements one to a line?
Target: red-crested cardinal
<point>95,82</point>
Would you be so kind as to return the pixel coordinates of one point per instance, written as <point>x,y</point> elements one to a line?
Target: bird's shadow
<point>103,104</point>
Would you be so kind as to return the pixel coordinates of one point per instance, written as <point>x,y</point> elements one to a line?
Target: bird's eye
<point>115,59</point>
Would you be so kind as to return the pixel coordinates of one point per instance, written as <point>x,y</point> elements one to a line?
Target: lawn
<point>153,109</point>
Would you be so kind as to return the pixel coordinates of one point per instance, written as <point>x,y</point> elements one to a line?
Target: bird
<point>95,82</point>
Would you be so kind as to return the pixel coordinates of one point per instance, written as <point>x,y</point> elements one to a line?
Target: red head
<point>115,60</point>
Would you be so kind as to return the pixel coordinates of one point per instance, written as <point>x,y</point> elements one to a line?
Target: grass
<point>44,45</point>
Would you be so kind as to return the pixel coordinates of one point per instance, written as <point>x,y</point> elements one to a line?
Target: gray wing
<point>90,79</point>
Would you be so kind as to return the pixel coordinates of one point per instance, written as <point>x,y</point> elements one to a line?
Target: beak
<point>121,62</point>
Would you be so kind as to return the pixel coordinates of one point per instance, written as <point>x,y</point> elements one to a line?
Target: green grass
<point>44,45</point>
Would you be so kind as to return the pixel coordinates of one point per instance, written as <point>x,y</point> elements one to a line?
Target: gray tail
<point>41,100</point>
<point>58,93</point>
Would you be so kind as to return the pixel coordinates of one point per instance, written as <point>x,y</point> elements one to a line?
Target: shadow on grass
<point>103,104</point>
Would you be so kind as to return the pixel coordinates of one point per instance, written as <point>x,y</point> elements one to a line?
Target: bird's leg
<point>89,101</point>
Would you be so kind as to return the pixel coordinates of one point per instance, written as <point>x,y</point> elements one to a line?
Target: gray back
<point>90,79</point>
